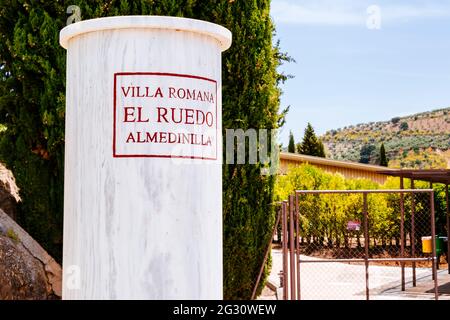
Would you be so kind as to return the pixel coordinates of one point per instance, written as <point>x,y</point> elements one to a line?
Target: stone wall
<point>26,269</point>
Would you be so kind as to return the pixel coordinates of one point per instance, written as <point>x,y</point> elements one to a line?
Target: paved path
<point>343,281</point>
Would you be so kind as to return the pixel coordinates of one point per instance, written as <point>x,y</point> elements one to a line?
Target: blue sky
<point>348,73</point>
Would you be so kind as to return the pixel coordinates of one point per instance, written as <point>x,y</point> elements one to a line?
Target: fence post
<point>433,243</point>
<point>292,246</point>
<point>284,250</point>
<point>297,243</point>
<point>448,227</point>
<point>413,233</point>
<point>402,233</point>
<point>366,242</point>
<point>431,187</point>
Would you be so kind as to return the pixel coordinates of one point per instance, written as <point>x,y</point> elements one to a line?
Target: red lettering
<point>185,138</point>
<point>151,138</point>
<point>144,93</point>
<point>139,140</point>
<point>189,95</point>
<point>125,93</point>
<point>173,115</point>
<point>206,96</point>
<point>138,93</point>
<point>130,137</point>
<point>199,96</point>
<point>162,112</point>
<point>127,114</point>
<point>140,116</point>
<point>199,113</point>
<point>183,93</point>
<point>209,119</point>
<point>189,115</point>
<point>172,137</point>
<point>158,93</point>
<point>171,92</point>
<point>163,137</point>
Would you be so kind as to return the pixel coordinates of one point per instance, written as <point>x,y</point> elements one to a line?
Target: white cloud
<point>314,13</point>
<point>351,12</point>
<point>398,13</point>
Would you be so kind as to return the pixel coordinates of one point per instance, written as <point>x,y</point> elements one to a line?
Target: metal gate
<point>355,244</point>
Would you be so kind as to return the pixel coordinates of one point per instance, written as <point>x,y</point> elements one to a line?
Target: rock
<point>9,192</point>
<point>21,276</point>
<point>26,269</point>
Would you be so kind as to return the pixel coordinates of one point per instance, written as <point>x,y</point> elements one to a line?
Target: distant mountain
<point>418,141</point>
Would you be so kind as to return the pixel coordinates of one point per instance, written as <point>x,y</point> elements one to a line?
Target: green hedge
<point>325,216</point>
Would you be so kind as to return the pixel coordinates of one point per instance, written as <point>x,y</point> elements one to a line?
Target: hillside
<point>417,141</point>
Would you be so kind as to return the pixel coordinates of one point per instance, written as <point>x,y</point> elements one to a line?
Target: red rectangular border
<point>115,155</point>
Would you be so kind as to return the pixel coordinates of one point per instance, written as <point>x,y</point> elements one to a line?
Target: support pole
<point>292,246</point>
<point>433,243</point>
<point>366,243</point>
<point>402,232</point>
<point>437,265</point>
<point>448,228</point>
<point>284,250</point>
<point>413,232</point>
<point>297,243</point>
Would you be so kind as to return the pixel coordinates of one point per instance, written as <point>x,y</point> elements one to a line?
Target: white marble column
<point>143,177</point>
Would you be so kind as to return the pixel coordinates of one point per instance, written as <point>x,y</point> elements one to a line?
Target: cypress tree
<point>383,159</point>
<point>291,146</point>
<point>311,145</point>
<point>32,110</point>
<point>321,149</point>
<point>251,100</point>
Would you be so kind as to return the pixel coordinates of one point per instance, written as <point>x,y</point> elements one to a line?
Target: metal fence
<point>337,244</point>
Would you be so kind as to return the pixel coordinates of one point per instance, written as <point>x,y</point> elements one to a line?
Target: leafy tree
<point>404,126</point>
<point>32,111</point>
<point>291,146</point>
<point>311,145</point>
<point>395,120</point>
<point>32,108</point>
<point>383,159</point>
<point>366,153</point>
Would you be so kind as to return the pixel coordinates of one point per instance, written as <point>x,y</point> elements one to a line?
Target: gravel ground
<point>343,281</point>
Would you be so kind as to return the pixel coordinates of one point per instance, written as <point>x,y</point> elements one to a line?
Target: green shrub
<point>325,216</point>
<point>404,126</point>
